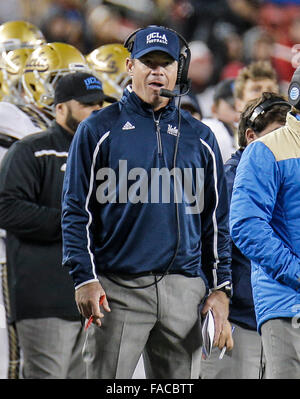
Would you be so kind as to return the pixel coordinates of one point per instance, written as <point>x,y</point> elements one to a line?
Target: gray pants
<point>51,348</point>
<point>160,321</point>
<point>243,362</point>
<point>281,342</point>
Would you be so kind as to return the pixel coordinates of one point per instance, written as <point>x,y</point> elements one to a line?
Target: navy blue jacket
<point>241,310</point>
<point>118,218</point>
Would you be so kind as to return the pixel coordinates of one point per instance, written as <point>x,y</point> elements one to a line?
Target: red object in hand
<point>91,317</point>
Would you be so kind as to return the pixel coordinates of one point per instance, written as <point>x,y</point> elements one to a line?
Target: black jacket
<point>241,309</point>
<point>31,181</point>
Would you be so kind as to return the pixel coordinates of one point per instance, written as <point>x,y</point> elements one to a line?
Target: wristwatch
<point>227,289</point>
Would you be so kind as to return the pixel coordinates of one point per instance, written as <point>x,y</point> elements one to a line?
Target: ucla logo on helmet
<point>37,64</point>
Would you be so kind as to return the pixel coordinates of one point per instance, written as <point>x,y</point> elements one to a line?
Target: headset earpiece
<point>183,68</point>
<point>129,42</point>
<point>264,107</point>
<point>181,63</point>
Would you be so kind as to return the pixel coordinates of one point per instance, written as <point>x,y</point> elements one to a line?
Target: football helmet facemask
<point>4,89</point>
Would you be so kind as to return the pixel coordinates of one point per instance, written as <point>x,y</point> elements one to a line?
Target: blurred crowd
<point>224,35</point>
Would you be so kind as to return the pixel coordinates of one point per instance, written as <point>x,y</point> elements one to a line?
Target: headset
<point>249,119</point>
<point>264,107</point>
<point>183,63</point>
<point>294,90</point>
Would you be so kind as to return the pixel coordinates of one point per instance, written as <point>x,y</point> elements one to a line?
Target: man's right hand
<point>87,299</point>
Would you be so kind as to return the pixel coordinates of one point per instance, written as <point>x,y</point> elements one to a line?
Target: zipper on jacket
<point>158,135</point>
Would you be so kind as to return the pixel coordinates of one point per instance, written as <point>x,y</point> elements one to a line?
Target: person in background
<point>225,117</point>
<point>41,293</point>
<point>201,74</point>
<point>27,107</point>
<point>246,360</point>
<point>109,63</point>
<point>252,81</point>
<point>18,39</point>
<point>264,223</point>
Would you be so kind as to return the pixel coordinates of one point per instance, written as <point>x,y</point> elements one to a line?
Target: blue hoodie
<point>123,223</point>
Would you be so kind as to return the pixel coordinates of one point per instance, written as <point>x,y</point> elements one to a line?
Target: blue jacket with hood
<point>118,211</point>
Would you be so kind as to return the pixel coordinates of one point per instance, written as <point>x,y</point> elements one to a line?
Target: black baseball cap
<point>225,91</point>
<point>80,86</point>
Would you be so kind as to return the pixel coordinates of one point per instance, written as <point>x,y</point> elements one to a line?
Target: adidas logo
<point>63,167</point>
<point>128,126</point>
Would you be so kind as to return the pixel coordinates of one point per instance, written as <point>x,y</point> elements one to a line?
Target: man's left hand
<point>218,302</point>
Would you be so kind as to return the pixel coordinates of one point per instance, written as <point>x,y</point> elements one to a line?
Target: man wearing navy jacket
<point>145,224</point>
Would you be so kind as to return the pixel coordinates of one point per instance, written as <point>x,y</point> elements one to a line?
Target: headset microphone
<point>167,93</point>
<point>171,94</point>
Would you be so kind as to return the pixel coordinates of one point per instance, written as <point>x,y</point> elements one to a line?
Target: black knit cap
<point>80,86</point>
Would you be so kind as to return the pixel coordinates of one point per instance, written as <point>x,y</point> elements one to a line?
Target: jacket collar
<point>60,130</point>
<point>293,123</point>
<point>137,105</point>
<point>235,157</point>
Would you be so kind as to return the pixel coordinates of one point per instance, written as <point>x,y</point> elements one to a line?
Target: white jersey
<point>225,140</point>
<point>16,122</point>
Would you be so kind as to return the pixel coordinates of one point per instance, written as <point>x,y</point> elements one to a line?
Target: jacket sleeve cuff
<point>86,282</point>
<point>217,287</point>
<point>81,269</point>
